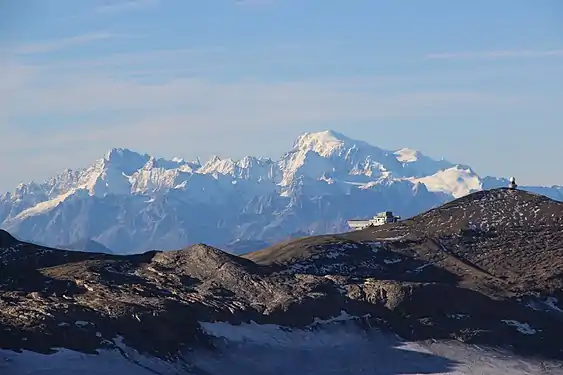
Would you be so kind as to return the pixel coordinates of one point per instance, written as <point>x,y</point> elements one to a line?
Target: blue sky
<point>479,83</point>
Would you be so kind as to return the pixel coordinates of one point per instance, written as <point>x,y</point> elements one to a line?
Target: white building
<point>380,219</point>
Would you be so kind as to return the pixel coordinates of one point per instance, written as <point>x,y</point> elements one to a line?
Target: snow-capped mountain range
<point>131,202</point>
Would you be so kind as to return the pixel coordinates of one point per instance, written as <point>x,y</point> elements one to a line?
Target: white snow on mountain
<point>417,164</point>
<point>407,155</point>
<point>160,176</point>
<point>133,202</point>
<point>43,207</point>
<point>456,181</point>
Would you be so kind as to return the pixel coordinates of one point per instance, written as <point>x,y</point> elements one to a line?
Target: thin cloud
<point>493,55</point>
<point>114,7</point>
<point>250,101</point>
<point>63,43</point>
<point>254,2</point>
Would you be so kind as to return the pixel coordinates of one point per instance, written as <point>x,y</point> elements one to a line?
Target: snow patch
<point>422,267</point>
<point>521,327</point>
<point>552,303</point>
<point>458,316</point>
<point>122,360</point>
<point>44,207</point>
<point>392,261</point>
<point>345,348</point>
<point>407,155</point>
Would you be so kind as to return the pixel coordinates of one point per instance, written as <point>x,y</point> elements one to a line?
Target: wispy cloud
<point>63,43</point>
<point>250,103</point>
<point>119,6</point>
<point>497,54</point>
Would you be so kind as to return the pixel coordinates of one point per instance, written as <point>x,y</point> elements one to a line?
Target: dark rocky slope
<point>483,269</point>
<point>88,246</point>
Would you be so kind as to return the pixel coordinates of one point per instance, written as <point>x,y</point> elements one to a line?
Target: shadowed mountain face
<point>484,269</point>
<point>6,239</point>
<point>89,246</point>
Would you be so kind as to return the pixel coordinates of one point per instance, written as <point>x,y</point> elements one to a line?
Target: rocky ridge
<point>483,269</point>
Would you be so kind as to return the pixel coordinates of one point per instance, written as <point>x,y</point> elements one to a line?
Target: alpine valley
<point>128,202</point>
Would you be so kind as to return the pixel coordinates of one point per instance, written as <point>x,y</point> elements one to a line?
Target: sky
<point>477,83</point>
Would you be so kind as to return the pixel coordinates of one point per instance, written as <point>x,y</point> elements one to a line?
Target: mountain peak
<point>494,209</point>
<point>150,164</point>
<point>125,160</point>
<point>116,152</point>
<point>325,136</point>
<point>502,194</point>
<point>324,143</point>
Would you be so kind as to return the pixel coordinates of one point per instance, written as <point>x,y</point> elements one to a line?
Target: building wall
<point>378,220</point>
